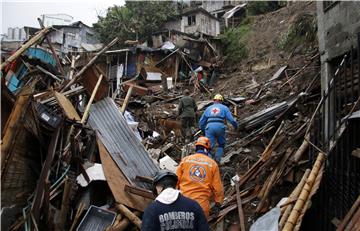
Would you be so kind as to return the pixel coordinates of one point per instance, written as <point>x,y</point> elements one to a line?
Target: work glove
<point>216,209</point>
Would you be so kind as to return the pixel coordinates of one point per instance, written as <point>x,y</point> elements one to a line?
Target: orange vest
<point>199,179</point>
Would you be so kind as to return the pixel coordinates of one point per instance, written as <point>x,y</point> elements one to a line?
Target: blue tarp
<point>45,57</point>
<point>41,54</point>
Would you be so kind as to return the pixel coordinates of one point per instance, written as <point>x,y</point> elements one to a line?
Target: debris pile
<point>83,135</point>
<point>73,155</point>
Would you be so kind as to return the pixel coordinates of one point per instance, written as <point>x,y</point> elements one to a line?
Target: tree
<point>135,20</point>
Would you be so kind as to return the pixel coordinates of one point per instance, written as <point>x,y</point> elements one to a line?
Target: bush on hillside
<point>234,42</point>
<point>300,33</point>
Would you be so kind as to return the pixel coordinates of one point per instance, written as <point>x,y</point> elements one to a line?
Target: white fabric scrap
<point>94,172</point>
<point>168,196</point>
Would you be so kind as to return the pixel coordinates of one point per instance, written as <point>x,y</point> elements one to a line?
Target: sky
<point>19,13</point>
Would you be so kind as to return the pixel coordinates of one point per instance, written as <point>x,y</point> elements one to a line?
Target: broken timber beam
<point>87,109</point>
<point>139,191</point>
<point>25,46</point>
<point>91,62</point>
<point>123,224</point>
<point>127,98</point>
<point>240,208</point>
<point>350,214</point>
<point>52,48</point>
<point>130,215</point>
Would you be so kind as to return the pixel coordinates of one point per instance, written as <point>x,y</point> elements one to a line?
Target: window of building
<point>191,20</point>
<point>327,5</point>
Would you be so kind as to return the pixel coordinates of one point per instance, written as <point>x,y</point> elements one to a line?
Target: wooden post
<point>52,48</point>
<point>25,46</point>
<point>126,63</point>
<point>72,67</point>
<point>164,83</point>
<point>176,70</point>
<point>304,195</point>
<point>65,206</point>
<point>127,98</point>
<point>240,208</point>
<point>305,144</point>
<point>87,109</point>
<point>91,62</point>
<point>127,213</point>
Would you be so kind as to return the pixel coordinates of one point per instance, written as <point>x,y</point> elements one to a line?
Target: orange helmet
<point>203,141</point>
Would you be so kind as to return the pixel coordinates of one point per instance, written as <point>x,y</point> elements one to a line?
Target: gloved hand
<point>216,209</point>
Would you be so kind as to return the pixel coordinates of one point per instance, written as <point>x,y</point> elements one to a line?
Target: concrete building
<point>335,129</point>
<point>15,34</point>
<point>338,28</point>
<point>67,38</point>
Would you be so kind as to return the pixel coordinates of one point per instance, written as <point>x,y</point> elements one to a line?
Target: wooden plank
<point>130,215</point>
<point>278,73</point>
<point>87,109</point>
<point>356,153</point>
<point>67,106</point>
<point>348,216</point>
<point>89,81</point>
<point>117,182</point>
<point>127,98</point>
<point>240,208</point>
<point>58,63</point>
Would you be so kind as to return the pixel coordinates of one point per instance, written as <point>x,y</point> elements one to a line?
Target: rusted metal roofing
<point>126,150</point>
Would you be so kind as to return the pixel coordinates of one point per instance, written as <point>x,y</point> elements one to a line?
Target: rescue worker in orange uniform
<point>199,177</point>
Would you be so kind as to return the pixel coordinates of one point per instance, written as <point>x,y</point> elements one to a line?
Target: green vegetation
<point>261,7</point>
<point>234,42</point>
<point>301,33</point>
<point>136,19</point>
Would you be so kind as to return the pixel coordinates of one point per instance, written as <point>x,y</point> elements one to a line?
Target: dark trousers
<point>186,124</point>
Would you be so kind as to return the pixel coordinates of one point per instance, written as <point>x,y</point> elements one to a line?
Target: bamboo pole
<point>91,62</point>
<point>294,195</point>
<point>127,98</point>
<point>25,46</point>
<point>87,109</point>
<point>295,213</point>
<point>130,215</point>
<point>307,204</point>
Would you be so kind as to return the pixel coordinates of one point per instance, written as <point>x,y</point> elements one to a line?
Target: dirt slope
<point>265,58</point>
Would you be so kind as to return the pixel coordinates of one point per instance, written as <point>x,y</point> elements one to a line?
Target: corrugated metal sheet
<point>126,150</point>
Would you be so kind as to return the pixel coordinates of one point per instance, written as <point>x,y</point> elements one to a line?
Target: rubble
<point>81,141</point>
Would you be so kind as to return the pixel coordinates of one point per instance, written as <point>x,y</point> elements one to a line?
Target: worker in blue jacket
<point>212,123</point>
